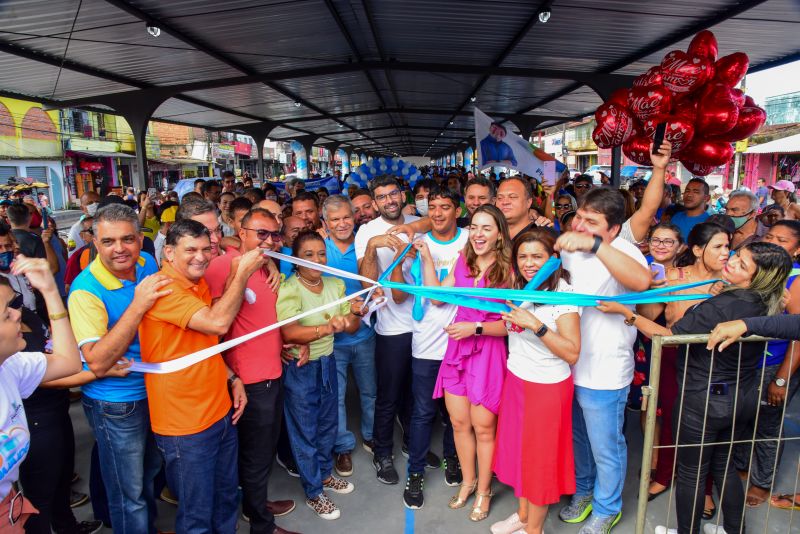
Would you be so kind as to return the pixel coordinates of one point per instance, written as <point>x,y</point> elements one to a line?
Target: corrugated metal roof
<point>786,145</point>
<point>206,40</point>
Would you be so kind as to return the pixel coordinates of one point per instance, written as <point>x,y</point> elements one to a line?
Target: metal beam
<point>414,111</point>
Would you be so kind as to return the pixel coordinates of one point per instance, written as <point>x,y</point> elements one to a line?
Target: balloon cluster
<point>375,167</point>
<point>695,94</point>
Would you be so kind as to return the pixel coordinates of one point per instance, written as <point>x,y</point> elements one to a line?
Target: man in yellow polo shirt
<point>190,409</point>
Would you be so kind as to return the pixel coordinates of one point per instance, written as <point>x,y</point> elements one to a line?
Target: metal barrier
<point>650,406</point>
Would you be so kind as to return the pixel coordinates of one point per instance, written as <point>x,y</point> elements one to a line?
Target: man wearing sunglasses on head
<point>258,363</point>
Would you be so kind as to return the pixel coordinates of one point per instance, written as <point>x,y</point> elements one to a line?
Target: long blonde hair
<point>500,273</point>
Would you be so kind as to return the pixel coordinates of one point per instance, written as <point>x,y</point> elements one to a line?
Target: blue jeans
<point>361,356</point>
<point>129,461</point>
<point>310,406</point>
<point>601,454</point>
<point>423,413</point>
<point>201,471</point>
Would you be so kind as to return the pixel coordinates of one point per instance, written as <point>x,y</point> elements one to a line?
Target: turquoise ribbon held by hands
<point>418,311</point>
<point>549,267</point>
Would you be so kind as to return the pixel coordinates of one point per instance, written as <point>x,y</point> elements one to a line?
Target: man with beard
<point>306,206</point>
<point>363,208</point>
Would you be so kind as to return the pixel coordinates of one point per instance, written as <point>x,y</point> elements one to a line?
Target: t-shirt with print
<point>429,340</point>
<point>20,375</point>
<point>606,359</point>
<point>528,356</point>
<point>394,318</point>
<point>294,298</point>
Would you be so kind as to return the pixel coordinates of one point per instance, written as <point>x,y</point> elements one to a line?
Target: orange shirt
<point>191,400</point>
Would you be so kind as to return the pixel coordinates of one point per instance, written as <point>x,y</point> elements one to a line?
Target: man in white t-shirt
<point>438,252</point>
<point>601,263</point>
<point>375,251</point>
<point>89,204</point>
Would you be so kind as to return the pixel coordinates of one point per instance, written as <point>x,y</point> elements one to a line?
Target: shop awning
<point>179,161</point>
<point>101,154</point>
<point>786,145</point>
<point>629,170</point>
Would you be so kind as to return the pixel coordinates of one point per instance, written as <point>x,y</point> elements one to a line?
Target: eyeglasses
<point>87,231</point>
<point>563,206</point>
<point>393,194</point>
<point>263,235</point>
<point>654,241</point>
<point>582,186</point>
<point>15,508</point>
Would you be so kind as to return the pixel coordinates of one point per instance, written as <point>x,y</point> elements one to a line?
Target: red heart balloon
<point>685,106</point>
<point>704,45</point>
<point>738,97</point>
<point>683,73</point>
<point>731,69</point>
<point>651,77</point>
<point>650,102</point>
<point>637,149</point>
<point>716,115</point>
<point>749,122</point>
<point>619,97</point>
<point>749,102</point>
<point>614,126</point>
<point>697,169</point>
<point>707,152</point>
<point>679,131</point>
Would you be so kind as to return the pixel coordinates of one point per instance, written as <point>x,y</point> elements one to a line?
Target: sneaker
<point>386,471</point>
<point>168,497</point>
<point>710,528</point>
<point>290,466</point>
<point>431,460</point>
<point>343,464</point>
<point>84,527</point>
<point>452,471</point>
<point>600,524</point>
<point>412,496</point>
<point>508,525</point>
<point>324,507</point>
<point>369,445</point>
<point>577,510</point>
<point>75,477</point>
<point>338,485</point>
<point>661,529</point>
<point>77,498</point>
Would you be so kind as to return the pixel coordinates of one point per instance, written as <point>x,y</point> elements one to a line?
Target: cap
<point>168,215</point>
<point>783,185</point>
<point>6,202</point>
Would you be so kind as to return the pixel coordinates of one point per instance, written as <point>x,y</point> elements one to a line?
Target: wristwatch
<point>780,382</point>
<point>478,329</point>
<point>542,331</point>
<point>632,320</point>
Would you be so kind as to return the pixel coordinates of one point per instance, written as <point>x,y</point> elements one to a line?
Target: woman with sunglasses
<point>564,204</point>
<point>21,373</point>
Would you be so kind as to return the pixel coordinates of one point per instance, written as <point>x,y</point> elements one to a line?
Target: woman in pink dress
<point>474,366</point>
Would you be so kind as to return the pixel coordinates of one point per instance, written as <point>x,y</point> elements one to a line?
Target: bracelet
<point>316,330</point>
<point>57,316</point>
<point>597,242</point>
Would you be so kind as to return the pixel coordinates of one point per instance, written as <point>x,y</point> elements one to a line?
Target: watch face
<point>780,382</point>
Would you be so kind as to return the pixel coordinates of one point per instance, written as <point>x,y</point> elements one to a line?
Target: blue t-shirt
<point>347,262</point>
<point>686,223</point>
<point>776,350</point>
<point>762,193</point>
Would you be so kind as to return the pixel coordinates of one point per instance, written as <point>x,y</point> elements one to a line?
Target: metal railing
<point>650,395</point>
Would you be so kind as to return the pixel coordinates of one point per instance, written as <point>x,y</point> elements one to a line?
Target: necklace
<point>306,282</point>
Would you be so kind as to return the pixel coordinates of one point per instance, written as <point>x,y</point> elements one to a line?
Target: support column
<point>302,146</point>
<point>616,165</point>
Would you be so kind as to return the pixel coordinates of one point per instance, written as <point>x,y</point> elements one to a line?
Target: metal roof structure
<point>785,145</point>
<point>378,76</point>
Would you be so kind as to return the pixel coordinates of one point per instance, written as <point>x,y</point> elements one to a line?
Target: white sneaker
<point>338,485</point>
<point>510,525</point>
<point>710,528</point>
<point>324,507</point>
<point>660,529</point>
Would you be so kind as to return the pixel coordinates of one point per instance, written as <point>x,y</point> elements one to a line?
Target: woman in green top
<point>311,402</point>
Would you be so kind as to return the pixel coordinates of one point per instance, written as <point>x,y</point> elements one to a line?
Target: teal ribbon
<point>549,267</point>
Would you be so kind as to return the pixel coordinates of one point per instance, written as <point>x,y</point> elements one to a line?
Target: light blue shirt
<point>347,262</point>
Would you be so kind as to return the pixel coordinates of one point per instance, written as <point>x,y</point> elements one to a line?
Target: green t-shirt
<point>294,298</point>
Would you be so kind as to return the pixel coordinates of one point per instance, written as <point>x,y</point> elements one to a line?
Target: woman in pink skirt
<point>534,432</point>
<point>474,366</point>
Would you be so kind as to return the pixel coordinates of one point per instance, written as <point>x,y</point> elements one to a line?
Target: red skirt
<point>533,449</point>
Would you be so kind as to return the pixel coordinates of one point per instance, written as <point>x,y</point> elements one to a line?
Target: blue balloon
<point>405,171</point>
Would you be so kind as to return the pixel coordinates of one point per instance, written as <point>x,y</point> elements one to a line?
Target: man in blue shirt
<point>762,192</point>
<point>696,196</point>
<point>107,302</point>
<point>356,350</point>
<point>496,151</point>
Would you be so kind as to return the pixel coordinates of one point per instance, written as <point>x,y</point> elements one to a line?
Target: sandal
<point>709,513</point>
<point>477,514</point>
<point>794,503</point>
<point>754,501</point>
<point>456,501</point>
<point>653,495</point>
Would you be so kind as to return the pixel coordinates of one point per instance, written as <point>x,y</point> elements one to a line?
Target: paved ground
<point>376,508</point>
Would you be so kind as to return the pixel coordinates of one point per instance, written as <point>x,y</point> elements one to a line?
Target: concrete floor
<point>377,508</point>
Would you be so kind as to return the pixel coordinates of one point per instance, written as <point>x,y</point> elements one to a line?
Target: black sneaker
<point>84,527</point>
<point>290,466</point>
<point>386,471</point>
<point>431,460</point>
<point>77,498</point>
<point>452,471</point>
<point>369,445</point>
<point>412,496</point>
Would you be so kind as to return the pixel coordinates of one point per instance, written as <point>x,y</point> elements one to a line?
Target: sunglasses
<point>582,186</point>
<point>563,206</point>
<point>263,235</point>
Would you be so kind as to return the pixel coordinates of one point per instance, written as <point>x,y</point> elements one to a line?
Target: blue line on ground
<point>409,521</point>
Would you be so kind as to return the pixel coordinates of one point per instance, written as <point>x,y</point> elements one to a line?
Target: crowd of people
<point>535,395</point>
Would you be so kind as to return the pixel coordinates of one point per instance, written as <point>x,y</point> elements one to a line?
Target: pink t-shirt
<point>258,359</point>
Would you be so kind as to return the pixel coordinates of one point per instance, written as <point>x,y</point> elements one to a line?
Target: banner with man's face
<point>498,147</point>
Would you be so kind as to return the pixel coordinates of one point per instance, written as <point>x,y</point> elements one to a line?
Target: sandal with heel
<point>477,514</point>
<point>456,501</point>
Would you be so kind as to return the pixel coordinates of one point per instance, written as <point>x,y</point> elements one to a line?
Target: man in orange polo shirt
<point>258,363</point>
<point>190,409</point>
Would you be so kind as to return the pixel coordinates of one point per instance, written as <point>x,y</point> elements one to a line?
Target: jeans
<point>765,453</point>
<point>393,373</point>
<point>259,428</point>
<point>423,414</point>
<point>719,427</point>
<point>129,461</point>
<point>46,473</point>
<point>201,471</point>
<point>601,454</point>
<point>311,419</point>
<point>361,356</point>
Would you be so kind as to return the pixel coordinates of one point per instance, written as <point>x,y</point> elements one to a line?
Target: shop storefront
<point>96,166</point>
